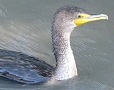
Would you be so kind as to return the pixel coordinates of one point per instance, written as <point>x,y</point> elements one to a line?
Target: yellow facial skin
<point>84,18</point>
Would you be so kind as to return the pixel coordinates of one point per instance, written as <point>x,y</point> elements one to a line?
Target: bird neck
<point>65,63</point>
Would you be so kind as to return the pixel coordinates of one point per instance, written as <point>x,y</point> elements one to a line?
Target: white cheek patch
<point>69,24</point>
<point>73,24</point>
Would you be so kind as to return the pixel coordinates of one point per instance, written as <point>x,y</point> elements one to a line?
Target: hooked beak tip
<point>105,16</point>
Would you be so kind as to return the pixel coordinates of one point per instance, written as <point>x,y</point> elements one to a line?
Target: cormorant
<point>27,69</point>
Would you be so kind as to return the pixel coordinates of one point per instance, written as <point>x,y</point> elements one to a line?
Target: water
<point>25,26</point>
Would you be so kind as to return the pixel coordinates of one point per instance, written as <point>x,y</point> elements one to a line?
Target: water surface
<point>25,26</point>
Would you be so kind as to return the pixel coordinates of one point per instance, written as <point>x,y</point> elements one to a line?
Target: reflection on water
<point>25,26</point>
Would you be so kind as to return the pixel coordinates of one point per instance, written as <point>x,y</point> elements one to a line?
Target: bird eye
<point>79,16</point>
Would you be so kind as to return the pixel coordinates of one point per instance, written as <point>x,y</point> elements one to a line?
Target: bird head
<point>72,16</point>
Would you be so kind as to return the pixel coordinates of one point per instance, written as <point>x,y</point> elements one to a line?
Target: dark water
<point>25,26</point>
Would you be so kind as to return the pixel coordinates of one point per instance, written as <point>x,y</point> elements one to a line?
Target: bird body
<point>26,69</point>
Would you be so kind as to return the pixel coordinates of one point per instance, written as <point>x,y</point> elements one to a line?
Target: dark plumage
<point>23,68</point>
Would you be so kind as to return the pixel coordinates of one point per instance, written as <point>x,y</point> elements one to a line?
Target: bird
<point>27,69</point>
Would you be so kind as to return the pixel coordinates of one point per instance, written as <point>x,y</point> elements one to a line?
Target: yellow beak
<point>84,18</point>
